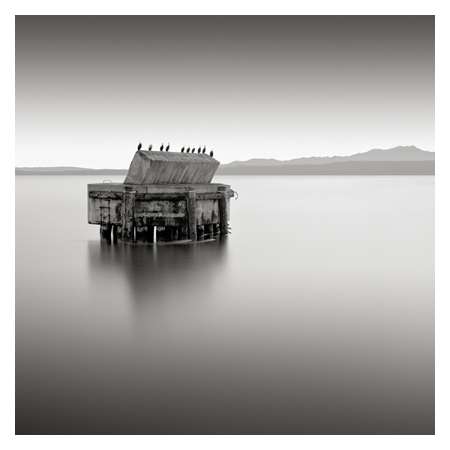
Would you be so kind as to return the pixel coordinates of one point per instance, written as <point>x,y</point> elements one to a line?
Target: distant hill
<point>67,171</point>
<point>407,160</point>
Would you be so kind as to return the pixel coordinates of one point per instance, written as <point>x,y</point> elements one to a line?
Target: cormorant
<point>139,146</point>
<point>188,150</point>
<point>211,153</point>
<point>182,149</point>
<point>161,148</point>
<point>199,150</point>
<point>150,148</point>
<point>204,150</point>
<point>167,148</point>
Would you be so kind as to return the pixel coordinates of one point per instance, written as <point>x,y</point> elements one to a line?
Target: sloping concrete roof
<point>155,167</point>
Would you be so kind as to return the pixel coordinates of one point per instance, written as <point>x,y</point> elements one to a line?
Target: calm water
<point>315,316</point>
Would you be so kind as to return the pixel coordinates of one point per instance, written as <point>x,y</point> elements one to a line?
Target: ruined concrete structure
<point>165,197</point>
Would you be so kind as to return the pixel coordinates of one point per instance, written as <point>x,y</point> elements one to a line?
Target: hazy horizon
<point>89,88</point>
<point>234,161</point>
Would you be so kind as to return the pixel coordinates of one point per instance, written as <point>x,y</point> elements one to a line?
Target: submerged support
<point>209,231</point>
<point>141,233</point>
<point>114,233</point>
<point>150,232</point>
<point>183,232</point>
<point>200,232</point>
<point>105,231</point>
<point>128,207</point>
<point>192,221</point>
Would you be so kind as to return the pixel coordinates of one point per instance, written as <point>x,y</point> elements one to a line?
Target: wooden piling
<point>200,232</point>
<point>223,213</point>
<point>114,233</point>
<point>128,207</point>
<point>192,221</point>
<point>209,231</point>
<point>149,231</point>
<point>105,231</point>
<point>183,232</point>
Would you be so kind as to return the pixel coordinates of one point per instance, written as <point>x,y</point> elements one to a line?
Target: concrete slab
<point>154,167</point>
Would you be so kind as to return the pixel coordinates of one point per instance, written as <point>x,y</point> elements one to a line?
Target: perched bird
<point>211,153</point>
<point>161,148</point>
<point>182,149</point>
<point>199,150</point>
<point>188,150</point>
<point>150,148</point>
<point>139,146</point>
<point>204,150</point>
<point>167,148</point>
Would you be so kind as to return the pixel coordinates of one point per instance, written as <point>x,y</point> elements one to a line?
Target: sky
<point>90,88</point>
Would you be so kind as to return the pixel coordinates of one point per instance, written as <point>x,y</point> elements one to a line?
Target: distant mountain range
<point>64,170</point>
<point>407,160</point>
<point>395,161</point>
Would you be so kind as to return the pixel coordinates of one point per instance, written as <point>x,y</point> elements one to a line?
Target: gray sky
<point>88,89</point>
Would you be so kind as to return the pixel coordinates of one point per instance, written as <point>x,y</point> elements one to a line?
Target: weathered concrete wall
<point>162,212</point>
<point>181,211</point>
<point>207,212</point>
<point>104,209</point>
<point>156,167</point>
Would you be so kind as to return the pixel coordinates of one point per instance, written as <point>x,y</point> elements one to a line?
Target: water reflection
<point>155,273</point>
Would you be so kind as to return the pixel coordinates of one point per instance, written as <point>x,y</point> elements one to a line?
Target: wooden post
<point>192,221</point>
<point>183,232</point>
<point>150,231</point>
<point>105,231</point>
<point>105,223</point>
<point>223,213</point>
<point>200,232</point>
<point>128,205</point>
<point>114,233</point>
<point>209,231</point>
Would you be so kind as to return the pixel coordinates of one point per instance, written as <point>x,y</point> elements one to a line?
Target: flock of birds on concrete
<point>199,150</point>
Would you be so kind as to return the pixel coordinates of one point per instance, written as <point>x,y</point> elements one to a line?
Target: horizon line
<point>247,160</point>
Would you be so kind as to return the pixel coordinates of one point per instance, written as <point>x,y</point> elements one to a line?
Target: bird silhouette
<point>167,148</point>
<point>150,148</point>
<point>139,146</point>
<point>188,150</point>
<point>204,150</point>
<point>182,149</point>
<point>161,148</point>
<point>199,150</point>
<point>211,153</point>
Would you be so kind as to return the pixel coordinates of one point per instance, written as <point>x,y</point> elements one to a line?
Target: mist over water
<point>315,316</point>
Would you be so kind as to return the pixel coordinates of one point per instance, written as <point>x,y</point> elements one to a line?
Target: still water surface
<point>315,316</point>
